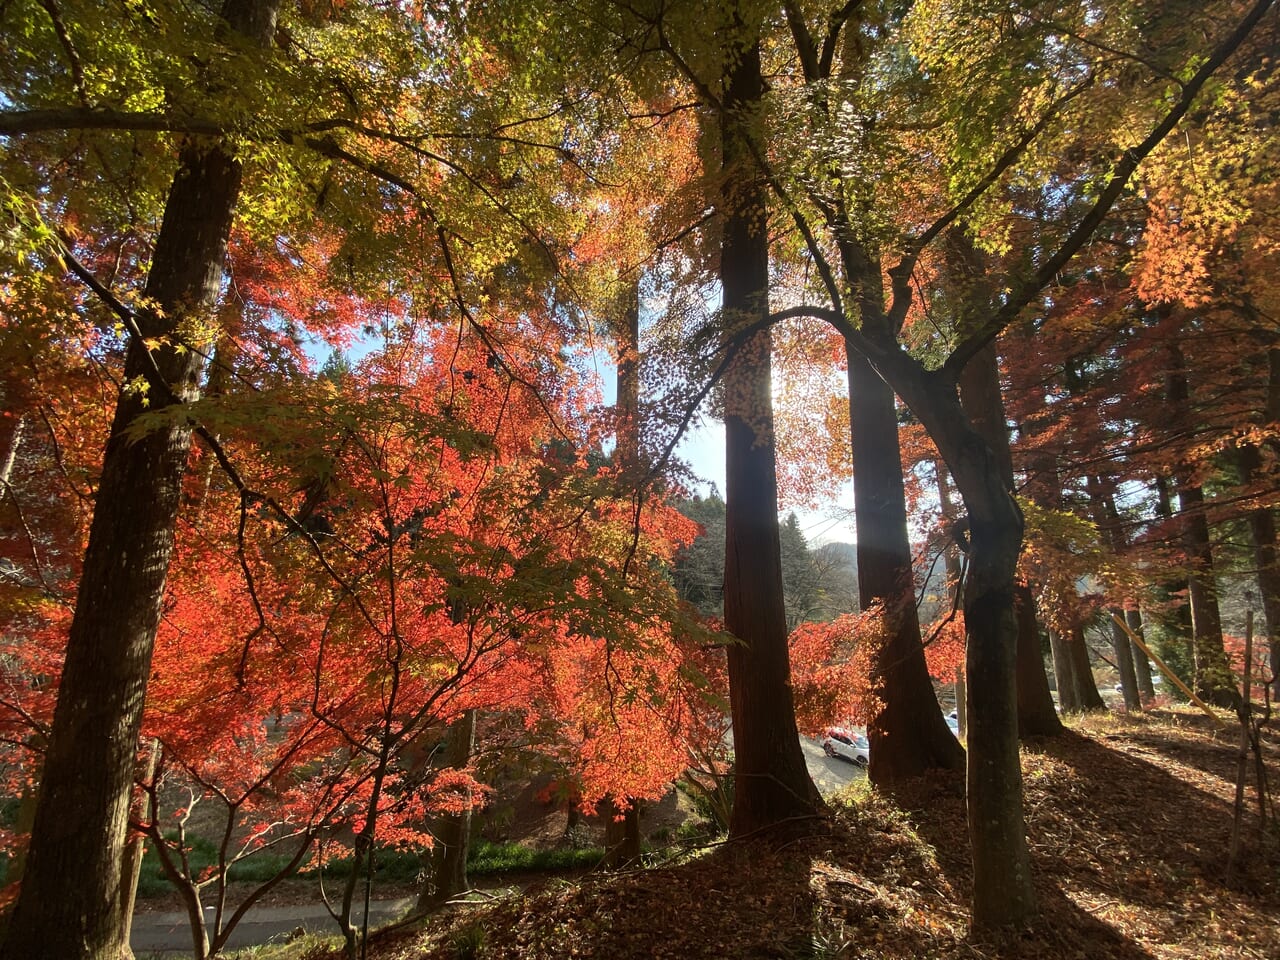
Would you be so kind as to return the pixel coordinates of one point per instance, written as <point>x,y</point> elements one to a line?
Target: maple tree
<point>435,531</point>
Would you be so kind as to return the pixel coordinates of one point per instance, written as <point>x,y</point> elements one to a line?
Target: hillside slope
<point>1129,820</point>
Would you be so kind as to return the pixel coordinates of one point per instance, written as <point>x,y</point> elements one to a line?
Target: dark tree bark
<point>1212,681</point>
<point>1175,620</point>
<point>627,350</point>
<point>77,841</point>
<point>1122,649</point>
<point>909,735</point>
<point>1262,526</point>
<point>1003,893</point>
<point>1266,553</point>
<point>452,831</point>
<point>1107,519</point>
<point>1087,696</point>
<point>134,850</point>
<point>1064,674</point>
<point>983,401</point>
<point>772,789</point>
<point>621,833</point>
<point>1141,665</point>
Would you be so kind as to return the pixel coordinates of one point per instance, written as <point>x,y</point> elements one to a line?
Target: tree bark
<point>1087,696</point>
<point>773,791</point>
<point>1064,674</point>
<point>625,847</point>
<point>136,847</point>
<point>452,831</point>
<point>1212,681</point>
<point>1262,527</point>
<point>980,394</point>
<point>1175,620</point>
<point>1141,665</point>
<point>77,841</point>
<point>908,735</point>
<point>1107,519</point>
<point>621,833</point>
<point>1002,892</point>
<point>951,557</point>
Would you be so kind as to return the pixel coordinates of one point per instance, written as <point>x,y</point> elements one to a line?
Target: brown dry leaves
<point>1129,821</point>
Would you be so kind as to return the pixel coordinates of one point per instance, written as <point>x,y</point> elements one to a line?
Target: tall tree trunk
<point>909,735</point>
<point>1262,525</point>
<point>1141,665</point>
<point>1107,519</point>
<point>134,850</point>
<point>1064,673</point>
<point>1087,695</point>
<point>1212,681</point>
<point>1262,533</point>
<point>77,841</point>
<point>951,558</point>
<point>1175,619</point>
<point>622,836</point>
<point>452,831</point>
<point>772,788</point>
<point>1122,648</point>
<point>983,402</point>
<point>1002,891</point>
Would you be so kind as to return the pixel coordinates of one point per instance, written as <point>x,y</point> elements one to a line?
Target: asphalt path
<point>829,773</point>
<point>168,933</point>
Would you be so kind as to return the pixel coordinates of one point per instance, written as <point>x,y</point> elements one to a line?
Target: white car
<point>839,742</point>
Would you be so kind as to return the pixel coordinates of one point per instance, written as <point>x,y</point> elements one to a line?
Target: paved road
<point>829,773</point>
<point>168,934</point>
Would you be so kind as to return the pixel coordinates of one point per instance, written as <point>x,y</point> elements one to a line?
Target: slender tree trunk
<point>452,831</point>
<point>78,838</point>
<point>625,847</point>
<point>136,847</point>
<point>1064,673</point>
<point>772,788</point>
<point>951,557</point>
<point>1175,619</point>
<point>11,451</point>
<point>1212,681</point>
<point>1122,648</point>
<point>909,735</point>
<point>1141,665</point>
<point>1107,519</point>
<point>1262,529</point>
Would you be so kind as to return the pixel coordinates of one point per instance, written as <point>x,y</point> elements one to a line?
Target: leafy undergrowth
<point>1129,821</point>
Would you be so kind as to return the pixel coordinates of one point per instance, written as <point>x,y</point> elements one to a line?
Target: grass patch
<point>489,858</point>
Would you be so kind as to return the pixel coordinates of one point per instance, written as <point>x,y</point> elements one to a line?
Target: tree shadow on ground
<point>714,906</point>
<point>1123,853</point>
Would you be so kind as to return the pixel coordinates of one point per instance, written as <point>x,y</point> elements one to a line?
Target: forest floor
<point>1130,825</point>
